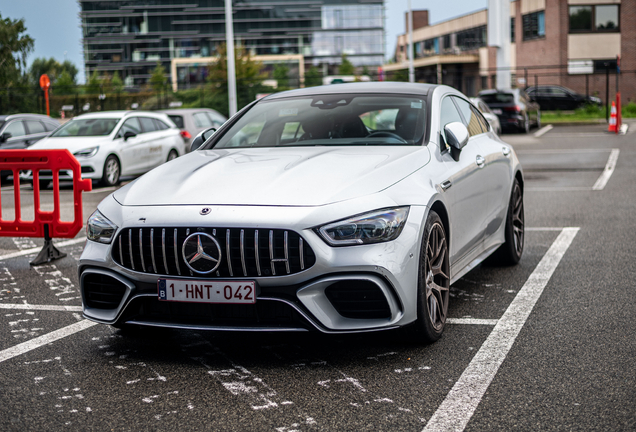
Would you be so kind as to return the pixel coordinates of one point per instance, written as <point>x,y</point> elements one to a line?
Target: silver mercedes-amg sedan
<point>348,208</point>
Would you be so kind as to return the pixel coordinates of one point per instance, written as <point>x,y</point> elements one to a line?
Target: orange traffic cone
<point>612,123</point>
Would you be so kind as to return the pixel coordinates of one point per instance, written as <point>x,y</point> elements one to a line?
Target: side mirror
<point>201,138</point>
<point>5,137</point>
<point>129,134</point>
<point>456,135</point>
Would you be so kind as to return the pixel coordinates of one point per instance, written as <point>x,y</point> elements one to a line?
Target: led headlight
<point>87,152</point>
<point>99,228</point>
<point>374,227</point>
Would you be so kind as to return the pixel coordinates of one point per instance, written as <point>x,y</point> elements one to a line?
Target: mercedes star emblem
<point>201,253</point>
<point>205,211</point>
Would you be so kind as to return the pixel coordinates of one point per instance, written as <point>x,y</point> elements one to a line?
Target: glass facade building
<point>132,36</point>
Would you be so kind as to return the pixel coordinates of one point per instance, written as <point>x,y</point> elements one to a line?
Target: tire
<point>433,286</point>
<point>43,184</point>
<point>510,252</point>
<point>172,155</point>
<point>112,171</point>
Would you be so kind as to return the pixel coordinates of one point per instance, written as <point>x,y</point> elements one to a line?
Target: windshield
<point>336,120</point>
<point>86,127</point>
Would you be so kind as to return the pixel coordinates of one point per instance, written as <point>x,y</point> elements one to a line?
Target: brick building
<point>573,43</point>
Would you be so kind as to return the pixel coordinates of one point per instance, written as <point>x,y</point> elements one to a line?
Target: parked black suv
<point>554,97</point>
<point>513,107</point>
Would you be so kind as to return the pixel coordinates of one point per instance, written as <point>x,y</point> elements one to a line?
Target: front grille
<point>102,291</point>
<point>358,299</point>
<point>244,252</point>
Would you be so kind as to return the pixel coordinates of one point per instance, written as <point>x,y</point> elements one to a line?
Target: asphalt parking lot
<point>545,345</point>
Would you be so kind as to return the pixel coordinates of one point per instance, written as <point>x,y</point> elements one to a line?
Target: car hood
<point>73,144</point>
<point>298,176</point>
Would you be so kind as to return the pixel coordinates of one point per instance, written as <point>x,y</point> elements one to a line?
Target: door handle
<point>445,185</point>
<point>505,151</point>
<point>480,161</point>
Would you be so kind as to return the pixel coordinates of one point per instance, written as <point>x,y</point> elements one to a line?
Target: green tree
<point>158,79</point>
<point>249,77</point>
<point>42,66</point>
<point>346,67</point>
<point>14,48</point>
<point>313,77</point>
<point>69,67</point>
<point>281,75</point>
<point>401,75</point>
<point>116,83</point>
<point>64,84</point>
<point>93,83</point>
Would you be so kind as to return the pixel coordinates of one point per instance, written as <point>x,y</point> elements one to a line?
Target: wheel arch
<point>439,208</point>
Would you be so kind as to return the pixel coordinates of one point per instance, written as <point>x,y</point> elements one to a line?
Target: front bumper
<point>347,289</point>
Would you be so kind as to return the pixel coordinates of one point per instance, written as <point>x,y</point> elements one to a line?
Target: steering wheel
<point>386,135</point>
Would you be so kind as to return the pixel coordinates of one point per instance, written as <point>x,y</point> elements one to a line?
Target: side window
<point>482,121</point>
<point>130,125</point>
<point>470,119</point>
<point>159,125</point>
<point>448,114</point>
<point>202,120</point>
<point>34,127</point>
<point>178,120</point>
<point>50,126</point>
<point>15,128</point>
<point>290,131</point>
<point>147,124</point>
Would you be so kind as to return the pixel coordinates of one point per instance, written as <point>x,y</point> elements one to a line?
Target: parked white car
<point>113,144</point>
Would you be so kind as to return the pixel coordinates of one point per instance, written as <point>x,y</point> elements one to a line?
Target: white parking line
<point>40,307</point>
<point>461,402</point>
<point>543,131</point>
<point>472,321</point>
<point>609,170</point>
<point>44,339</point>
<point>37,249</point>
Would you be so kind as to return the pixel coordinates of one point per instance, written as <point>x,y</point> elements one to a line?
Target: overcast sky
<point>55,24</point>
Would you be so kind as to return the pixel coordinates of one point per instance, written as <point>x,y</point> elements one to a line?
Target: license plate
<point>205,291</point>
<point>496,111</point>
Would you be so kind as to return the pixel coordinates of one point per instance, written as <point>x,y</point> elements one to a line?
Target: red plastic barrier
<point>45,224</point>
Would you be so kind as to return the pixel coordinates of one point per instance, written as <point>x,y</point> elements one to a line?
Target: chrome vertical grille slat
<point>158,251</point>
<point>243,252</point>
<point>141,249</point>
<point>227,252</point>
<point>176,253</point>
<point>163,250</point>
<point>132,259</point>
<point>258,261</point>
<point>152,249</point>
<point>271,251</point>
<point>286,245</point>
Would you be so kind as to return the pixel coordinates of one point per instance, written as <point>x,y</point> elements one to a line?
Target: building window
<point>472,38</point>
<point>446,42</point>
<point>512,30</point>
<point>600,18</point>
<point>534,25</point>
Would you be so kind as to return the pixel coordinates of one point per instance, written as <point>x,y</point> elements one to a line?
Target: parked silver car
<point>191,121</point>
<point>321,220</point>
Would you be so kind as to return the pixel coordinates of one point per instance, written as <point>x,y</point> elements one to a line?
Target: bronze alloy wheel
<point>518,230</point>
<point>434,282</point>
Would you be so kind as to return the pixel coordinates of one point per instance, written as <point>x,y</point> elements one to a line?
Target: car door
<point>134,150</point>
<point>496,173</point>
<point>35,131</point>
<point>464,190</point>
<point>155,141</point>
<point>14,135</point>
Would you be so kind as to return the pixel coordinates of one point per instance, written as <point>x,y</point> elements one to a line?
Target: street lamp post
<point>231,69</point>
